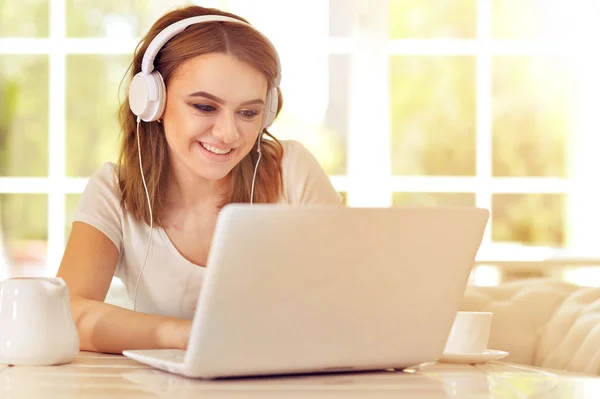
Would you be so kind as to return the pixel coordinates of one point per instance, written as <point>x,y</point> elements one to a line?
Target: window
<point>468,102</point>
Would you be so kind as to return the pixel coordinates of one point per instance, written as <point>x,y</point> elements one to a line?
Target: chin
<point>213,174</point>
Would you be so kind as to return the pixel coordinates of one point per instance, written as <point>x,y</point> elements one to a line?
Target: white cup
<point>36,326</point>
<point>470,333</point>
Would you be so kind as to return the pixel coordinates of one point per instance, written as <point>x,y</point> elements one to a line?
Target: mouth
<point>215,154</point>
<point>215,150</point>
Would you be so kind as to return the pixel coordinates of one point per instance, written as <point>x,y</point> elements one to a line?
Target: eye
<point>204,107</point>
<point>249,113</point>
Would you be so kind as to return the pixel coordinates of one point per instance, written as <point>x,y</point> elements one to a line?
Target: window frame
<point>370,50</point>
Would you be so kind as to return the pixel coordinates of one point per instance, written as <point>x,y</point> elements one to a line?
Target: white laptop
<point>324,289</point>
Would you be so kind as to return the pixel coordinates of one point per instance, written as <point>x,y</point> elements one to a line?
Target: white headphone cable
<point>255,170</point>
<point>137,133</point>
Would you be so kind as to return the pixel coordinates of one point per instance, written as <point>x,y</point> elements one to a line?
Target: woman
<point>195,123</point>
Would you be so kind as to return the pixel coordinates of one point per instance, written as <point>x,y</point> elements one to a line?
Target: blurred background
<point>491,103</point>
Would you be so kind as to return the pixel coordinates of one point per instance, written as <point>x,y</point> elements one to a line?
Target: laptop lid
<point>319,288</point>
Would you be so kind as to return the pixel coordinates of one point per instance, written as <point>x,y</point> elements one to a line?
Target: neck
<point>186,190</point>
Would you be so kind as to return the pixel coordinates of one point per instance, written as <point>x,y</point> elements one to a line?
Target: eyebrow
<point>220,100</point>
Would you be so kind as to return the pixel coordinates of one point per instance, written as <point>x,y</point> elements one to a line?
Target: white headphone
<point>148,94</point>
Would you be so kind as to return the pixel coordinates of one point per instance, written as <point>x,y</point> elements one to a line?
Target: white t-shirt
<point>170,284</point>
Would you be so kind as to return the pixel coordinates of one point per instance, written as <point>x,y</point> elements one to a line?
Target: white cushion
<point>521,311</point>
<point>571,338</point>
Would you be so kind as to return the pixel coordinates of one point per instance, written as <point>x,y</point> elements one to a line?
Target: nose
<point>225,129</point>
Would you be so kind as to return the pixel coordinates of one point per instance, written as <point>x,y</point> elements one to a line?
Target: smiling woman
<point>212,58</point>
<point>204,90</point>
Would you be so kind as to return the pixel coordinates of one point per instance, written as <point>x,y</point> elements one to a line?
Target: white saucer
<point>472,358</point>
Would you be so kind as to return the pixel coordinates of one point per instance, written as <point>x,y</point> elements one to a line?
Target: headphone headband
<point>174,29</point>
<point>147,92</point>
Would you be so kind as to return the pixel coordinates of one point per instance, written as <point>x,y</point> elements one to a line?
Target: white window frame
<point>365,164</point>
<point>369,181</point>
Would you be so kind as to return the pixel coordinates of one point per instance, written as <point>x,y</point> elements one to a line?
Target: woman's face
<point>213,114</point>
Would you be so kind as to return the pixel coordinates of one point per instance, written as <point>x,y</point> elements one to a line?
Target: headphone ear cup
<point>162,95</point>
<point>147,96</point>
<point>271,108</point>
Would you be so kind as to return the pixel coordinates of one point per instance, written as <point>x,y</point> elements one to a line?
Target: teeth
<point>215,150</point>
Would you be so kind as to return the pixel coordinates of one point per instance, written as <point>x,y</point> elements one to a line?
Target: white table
<point>93,375</point>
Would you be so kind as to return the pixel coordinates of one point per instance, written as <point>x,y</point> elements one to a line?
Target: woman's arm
<point>87,267</point>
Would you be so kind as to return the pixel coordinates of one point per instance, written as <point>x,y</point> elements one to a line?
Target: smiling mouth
<point>215,150</point>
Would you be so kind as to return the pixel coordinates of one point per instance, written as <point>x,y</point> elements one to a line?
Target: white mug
<point>37,326</point>
<point>470,333</point>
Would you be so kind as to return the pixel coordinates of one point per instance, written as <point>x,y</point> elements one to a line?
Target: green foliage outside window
<point>433,110</point>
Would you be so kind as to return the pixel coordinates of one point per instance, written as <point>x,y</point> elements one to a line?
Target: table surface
<point>93,375</point>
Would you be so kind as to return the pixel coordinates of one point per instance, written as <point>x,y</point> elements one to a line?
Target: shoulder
<point>105,181</point>
<point>107,173</point>
<point>100,203</point>
<point>304,180</point>
<point>103,185</point>
<point>296,155</point>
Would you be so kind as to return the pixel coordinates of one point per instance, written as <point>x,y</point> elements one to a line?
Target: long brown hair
<point>235,39</point>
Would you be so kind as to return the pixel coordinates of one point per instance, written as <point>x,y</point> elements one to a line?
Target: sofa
<point>542,322</point>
